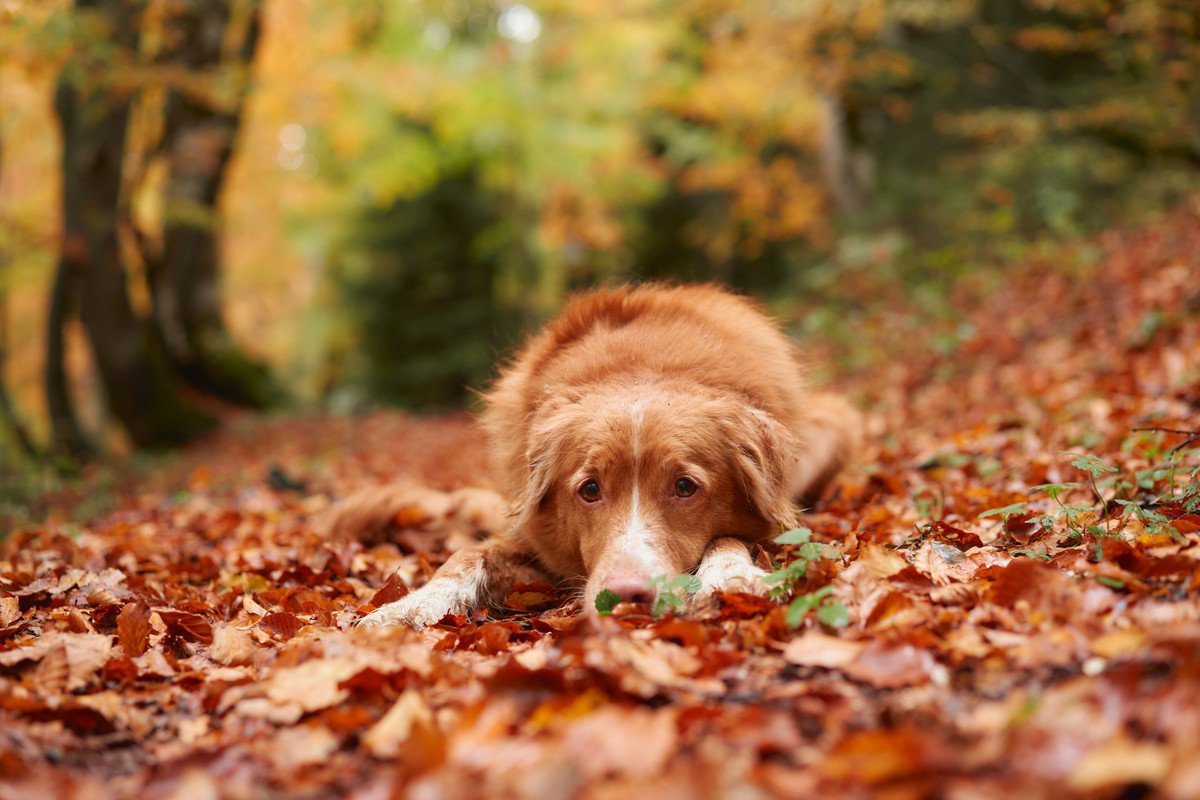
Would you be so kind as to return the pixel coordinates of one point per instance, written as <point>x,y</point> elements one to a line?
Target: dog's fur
<point>598,418</point>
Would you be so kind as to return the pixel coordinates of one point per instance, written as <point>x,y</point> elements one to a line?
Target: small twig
<point>1193,436</point>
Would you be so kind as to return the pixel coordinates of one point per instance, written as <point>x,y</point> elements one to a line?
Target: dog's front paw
<point>418,610</point>
<point>732,576</point>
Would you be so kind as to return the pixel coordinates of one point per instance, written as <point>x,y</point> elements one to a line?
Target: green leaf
<point>672,592</point>
<point>684,583</point>
<point>797,611</point>
<point>606,601</point>
<point>794,536</point>
<point>835,615</point>
<point>799,608</point>
<point>1053,489</point>
<point>1090,464</point>
<point>812,551</point>
<point>1112,583</point>
<point>1006,511</point>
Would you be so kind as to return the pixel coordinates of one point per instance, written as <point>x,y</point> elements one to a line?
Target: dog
<point>646,431</point>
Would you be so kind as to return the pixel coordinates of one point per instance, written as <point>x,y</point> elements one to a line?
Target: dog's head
<point>629,483</point>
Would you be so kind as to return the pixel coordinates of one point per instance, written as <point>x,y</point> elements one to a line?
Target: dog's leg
<point>371,511</point>
<point>831,433</point>
<point>470,578</point>
<point>728,567</point>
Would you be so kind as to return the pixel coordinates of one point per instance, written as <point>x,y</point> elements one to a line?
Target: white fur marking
<point>447,594</point>
<point>730,569</point>
<point>636,537</point>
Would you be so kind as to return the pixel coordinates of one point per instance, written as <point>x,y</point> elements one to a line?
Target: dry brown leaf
<point>1120,763</point>
<point>153,664</point>
<point>880,562</point>
<point>196,784</point>
<point>312,685</point>
<point>10,610</point>
<point>231,645</point>
<point>933,561</point>
<point>52,674</point>
<point>283,624</point>
<point>301,746</point>
<point>1119,643</point>
<point>622,741</point>
<point>385,738</point>
<point>133,628</point>
<point>816,649</point>
<point>645,667</point>
<point>192,627</point>
<point>890,666</point>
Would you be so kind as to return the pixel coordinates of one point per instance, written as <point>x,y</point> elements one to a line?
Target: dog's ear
<point>762,449</point>
<point>542,455</point>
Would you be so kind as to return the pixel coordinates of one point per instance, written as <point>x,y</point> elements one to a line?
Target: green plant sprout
<point>783,580</point>
<point>672,592</point>
<point>1161,480</point>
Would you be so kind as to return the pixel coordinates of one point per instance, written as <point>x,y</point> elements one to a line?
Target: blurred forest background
<point>303,204</point>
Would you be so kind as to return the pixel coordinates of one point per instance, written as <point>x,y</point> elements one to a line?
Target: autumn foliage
<point>999,600</point>
<point>1000,640</point>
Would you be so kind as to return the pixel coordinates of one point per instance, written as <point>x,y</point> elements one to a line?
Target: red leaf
<point>391,591</point>
<point>282,624</point>
<point>133,628</point>
<point>192,627</point>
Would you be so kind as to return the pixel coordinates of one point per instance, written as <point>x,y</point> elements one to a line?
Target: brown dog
<point>646,431</point>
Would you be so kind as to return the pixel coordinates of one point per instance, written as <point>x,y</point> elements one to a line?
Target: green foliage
<point>1091,465</point>
<point>419,281</point>
<point>795,536</point>
<point>1161,482</point>
<point>782,580</point>
<point>829,611</point>
<point>912,144</point>
<point>606,601</point>
<point>1004,512</point>
<point>672,592</point>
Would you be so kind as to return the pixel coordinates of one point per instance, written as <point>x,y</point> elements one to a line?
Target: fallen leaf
<point>283,624</point>
<point>133,628</point>
<point>816,649</point>
<point>10,610</point>
<point>293,749</point>
<point>386,737</point>
<point>889,666</point>
<point>622,741</point>
<point>1120,763</point>
<point>192,627</point>
<point>231,645</point>
<point>312,685</point>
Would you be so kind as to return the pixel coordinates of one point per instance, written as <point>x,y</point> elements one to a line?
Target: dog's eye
<point>685,487</point>
<point>590,491</point>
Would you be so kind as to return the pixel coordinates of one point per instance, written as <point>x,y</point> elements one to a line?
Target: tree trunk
<point>199,136</point>
<point>67,436</point>
<point>138,380</point>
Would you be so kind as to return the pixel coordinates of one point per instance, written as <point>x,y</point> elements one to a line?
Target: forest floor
<point>964,634</point>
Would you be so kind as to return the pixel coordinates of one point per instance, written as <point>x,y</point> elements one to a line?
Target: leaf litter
<point>978,637</point>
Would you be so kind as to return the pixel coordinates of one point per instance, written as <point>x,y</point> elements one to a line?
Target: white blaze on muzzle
<point>636,544</point>
<point>635,548</point>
